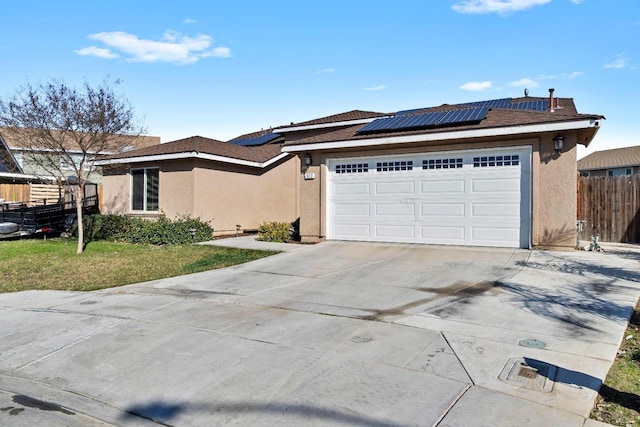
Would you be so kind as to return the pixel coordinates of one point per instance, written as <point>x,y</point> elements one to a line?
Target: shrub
<point>275,231</point>
<point>163,231</point>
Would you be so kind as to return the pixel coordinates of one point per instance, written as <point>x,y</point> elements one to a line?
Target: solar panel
<point>418,121</point>
<point>252,142</point>
<point>492,103</point>
<point>537,105</point>
<point>464,116</point>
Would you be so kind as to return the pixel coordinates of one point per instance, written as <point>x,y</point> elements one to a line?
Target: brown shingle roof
<point>342,117</point>
<point>614,158</point>
<point>18,138</point>
<point>204,145</point>
<point>495,118</point>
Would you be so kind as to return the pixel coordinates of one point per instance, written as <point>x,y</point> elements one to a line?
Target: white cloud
<point>524,83</point>
<point>96,51</point>
<point>573,75</point>
<point>577,1</point>
<point>618,63</point>
<point>476,86</point>
<point>189,21</point>
<point>501,7</point>
<point>173,47</point>
<point>326,70</point>
<point>379,87</point>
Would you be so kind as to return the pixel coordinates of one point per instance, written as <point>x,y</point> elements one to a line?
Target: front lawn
<point>54,264</point>
<point>619,399</point>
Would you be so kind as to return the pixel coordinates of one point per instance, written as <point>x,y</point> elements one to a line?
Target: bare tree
<point>63,130</point>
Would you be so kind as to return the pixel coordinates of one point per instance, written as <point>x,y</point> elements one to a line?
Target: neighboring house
<point>9,167</point>
<point>240,183</point>
<point>494,173</point>
<point>615,162</point>
<point>25,156</point>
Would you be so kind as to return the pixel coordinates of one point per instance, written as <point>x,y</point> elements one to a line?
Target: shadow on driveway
<point>164,413</point>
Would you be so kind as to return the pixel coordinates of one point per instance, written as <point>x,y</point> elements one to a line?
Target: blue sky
<point>219,68</point>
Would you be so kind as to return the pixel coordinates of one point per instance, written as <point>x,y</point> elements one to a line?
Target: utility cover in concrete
<point>529,373</point>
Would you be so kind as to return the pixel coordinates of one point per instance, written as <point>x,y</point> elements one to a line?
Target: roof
<point>614,158</point>
<point>503,113</point>
<point>18,138</point>
<point>202,145</point>
<point>342,117</point>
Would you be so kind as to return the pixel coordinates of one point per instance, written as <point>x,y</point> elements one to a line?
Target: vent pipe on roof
<point>551,100</point>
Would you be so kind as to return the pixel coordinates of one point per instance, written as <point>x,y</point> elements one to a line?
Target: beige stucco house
<point>229,184</point>
<point>240,183</point>
<point>494,173</point>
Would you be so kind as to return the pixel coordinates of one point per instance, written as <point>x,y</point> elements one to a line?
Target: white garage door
<point>477,198</point>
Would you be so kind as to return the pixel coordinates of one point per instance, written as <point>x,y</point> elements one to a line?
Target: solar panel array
<point>476,111</point>
<point>416,121</point>
<point>508,104</point>
<point>252,142</point>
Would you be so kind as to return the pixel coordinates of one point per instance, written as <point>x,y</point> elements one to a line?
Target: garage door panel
<point>391,187</point>
<point>442,186</point>
<point>495,210</point>
<point>352,188</point>
<point>495,234</point>
<point>460,204</point>
<point>495,185</point>
<point>440,233</point>
<point>394,231</point>
<point>442,209</point>
<point>395,209</point>
<point>353,209</point>
<point>353,230</point>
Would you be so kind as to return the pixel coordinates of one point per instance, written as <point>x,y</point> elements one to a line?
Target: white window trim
<point>143,211</point>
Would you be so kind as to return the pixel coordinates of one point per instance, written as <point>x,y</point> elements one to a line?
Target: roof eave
<point>190,155</point>
<point>590,123</point>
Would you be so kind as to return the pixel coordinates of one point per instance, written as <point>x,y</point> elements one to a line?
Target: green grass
<point>619,399</point>
<point>54,264</point>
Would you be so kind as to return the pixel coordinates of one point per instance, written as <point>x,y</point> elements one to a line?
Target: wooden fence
<point>611,208</point>
<point>15,192</point>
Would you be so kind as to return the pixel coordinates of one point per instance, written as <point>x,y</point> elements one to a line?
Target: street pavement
<point>336,333</point>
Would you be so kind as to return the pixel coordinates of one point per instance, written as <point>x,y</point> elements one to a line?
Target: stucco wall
<point>226,195</point>
<point>553,203</point>
<point>231,195</point>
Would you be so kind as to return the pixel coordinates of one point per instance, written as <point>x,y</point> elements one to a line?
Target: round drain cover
<point>532,343</point>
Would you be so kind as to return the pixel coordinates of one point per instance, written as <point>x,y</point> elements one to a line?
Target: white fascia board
<point>326,125</point>
<point>24,176</point>
<point>445,136</point>
<point>190,155</point>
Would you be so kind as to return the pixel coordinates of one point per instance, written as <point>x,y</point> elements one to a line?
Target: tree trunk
<point>79,203</point>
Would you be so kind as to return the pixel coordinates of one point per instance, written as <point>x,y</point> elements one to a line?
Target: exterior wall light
<point>558,142</point>
<point>307,159</point>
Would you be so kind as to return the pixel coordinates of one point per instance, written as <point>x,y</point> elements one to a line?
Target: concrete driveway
<point>330,334</point>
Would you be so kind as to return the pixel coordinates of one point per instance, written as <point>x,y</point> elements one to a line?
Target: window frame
<point>145,198</point>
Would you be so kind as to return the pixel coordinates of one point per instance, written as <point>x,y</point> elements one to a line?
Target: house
<point>30,160</point>
<point>9,167</point>
<point>234,185</point>
<point>494,173</point>
<point>614,162</point>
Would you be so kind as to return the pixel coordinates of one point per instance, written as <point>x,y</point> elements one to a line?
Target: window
<point>492,161</point>
<point>442,163</point>
<point>619,171</point>
<point>144,189</point>
<point>394,166</point>
<point>352,168</point>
